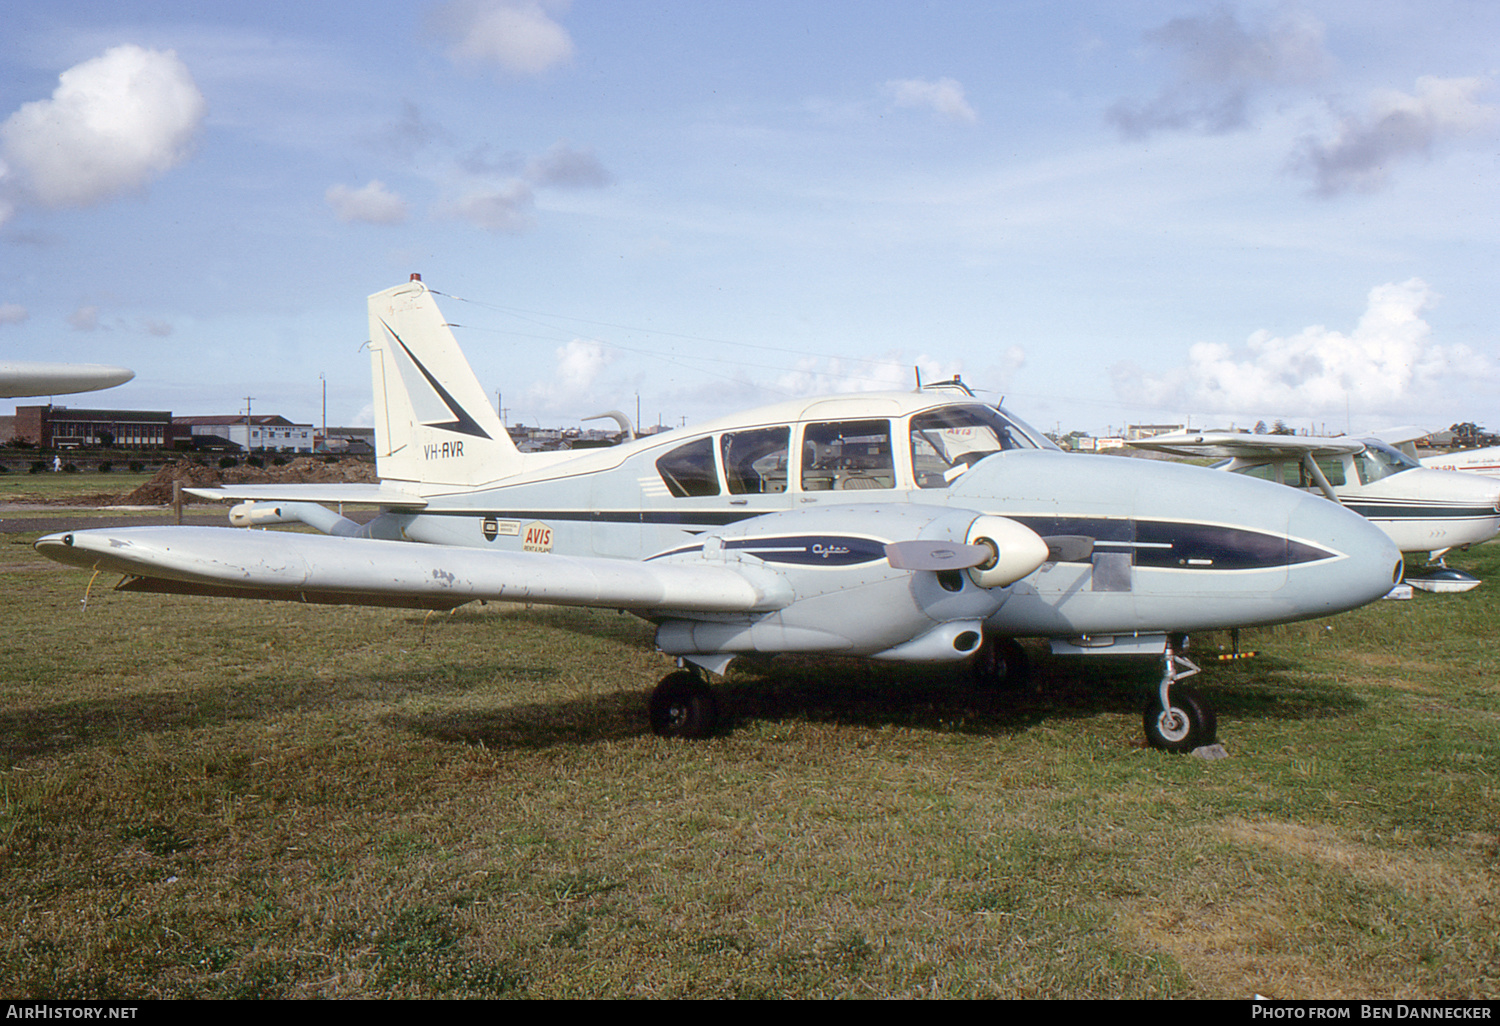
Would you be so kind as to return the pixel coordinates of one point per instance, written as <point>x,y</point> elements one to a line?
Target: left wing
<point>364,571</point>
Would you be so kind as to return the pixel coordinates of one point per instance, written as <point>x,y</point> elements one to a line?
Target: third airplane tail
<point>433,422</point>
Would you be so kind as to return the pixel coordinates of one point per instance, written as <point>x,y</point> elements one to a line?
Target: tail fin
<point>433,422</point>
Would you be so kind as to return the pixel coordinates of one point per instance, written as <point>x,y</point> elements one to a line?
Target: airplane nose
<point>1361,566</point>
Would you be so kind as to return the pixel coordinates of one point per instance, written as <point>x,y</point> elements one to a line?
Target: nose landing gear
<point>1178,718</point>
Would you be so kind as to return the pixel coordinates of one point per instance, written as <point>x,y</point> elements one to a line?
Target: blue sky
<point>1108,213</point>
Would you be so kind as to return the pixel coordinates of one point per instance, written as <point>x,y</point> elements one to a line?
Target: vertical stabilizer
<point>433,423</point>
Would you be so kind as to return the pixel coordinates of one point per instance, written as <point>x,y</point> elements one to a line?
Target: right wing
<point>364,571</point>
<point>1245,446</point>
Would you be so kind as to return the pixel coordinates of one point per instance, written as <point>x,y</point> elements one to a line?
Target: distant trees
<point>1470,435</point>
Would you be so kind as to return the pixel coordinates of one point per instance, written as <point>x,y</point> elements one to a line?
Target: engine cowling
<point>849,595</point>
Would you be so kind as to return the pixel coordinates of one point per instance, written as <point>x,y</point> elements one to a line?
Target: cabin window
<point>689,470</point>
<point>1332,468</point>
<point>1264,471</point>
<point>755,461</point>
<point>947,441</point>
<point>847,455</point>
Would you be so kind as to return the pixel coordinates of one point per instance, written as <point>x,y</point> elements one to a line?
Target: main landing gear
<point>683,705</point>
<point>1000,663</point>
<point>1178,718</point>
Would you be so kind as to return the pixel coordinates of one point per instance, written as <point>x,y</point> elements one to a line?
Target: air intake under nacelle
<point>947,642</point>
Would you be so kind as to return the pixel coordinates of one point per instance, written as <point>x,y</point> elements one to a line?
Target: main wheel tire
<point>1000,663</point>
<point>683,706</point>
<point>1190,722</point>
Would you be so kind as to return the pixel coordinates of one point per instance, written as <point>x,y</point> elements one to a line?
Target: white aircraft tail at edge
<point>917,526</point>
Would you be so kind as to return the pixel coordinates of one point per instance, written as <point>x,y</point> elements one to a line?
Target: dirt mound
<point>303,470</point>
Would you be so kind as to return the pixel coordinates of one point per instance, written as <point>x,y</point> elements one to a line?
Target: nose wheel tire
<point>683,705</point>
<point>1189,722</point>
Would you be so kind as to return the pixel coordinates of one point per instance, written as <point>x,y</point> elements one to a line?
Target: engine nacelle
<point>846,597</point>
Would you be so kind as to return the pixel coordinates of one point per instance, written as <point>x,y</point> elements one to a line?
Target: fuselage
<point>1174,547</point>
<point>1484,461</point>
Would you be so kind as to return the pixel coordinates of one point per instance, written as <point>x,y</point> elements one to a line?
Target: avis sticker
<point>536,537</point>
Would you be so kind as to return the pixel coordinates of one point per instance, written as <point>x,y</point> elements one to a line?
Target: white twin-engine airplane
<point>922,526</point>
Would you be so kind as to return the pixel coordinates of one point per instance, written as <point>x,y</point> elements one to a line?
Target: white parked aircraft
<point>921,526</point>
<point>25,379</point>
<point>1422,509</point>
<point>1484,461</point>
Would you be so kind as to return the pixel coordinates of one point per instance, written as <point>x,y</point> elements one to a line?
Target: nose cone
<point>1363,562</point>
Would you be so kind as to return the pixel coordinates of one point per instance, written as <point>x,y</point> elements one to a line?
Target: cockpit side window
<point>1378,461</point>
<point>847,454</point>
<point>947,441</point>
<point>689,470</point>
<point>755,462</point>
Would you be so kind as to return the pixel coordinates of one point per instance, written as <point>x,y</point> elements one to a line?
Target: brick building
<point>59,427</point>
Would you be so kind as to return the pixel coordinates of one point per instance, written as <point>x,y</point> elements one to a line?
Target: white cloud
<point>945,97</point>
<point>506,209</point>
<point>1386,364</point>
<point>564,167</point>
<point>1399,126</point>
<point>1221,68</point>
<point>113,124</point>
<point>372,204</point>
<point>826,375</point>
<point>13,313</point>
<point>571,386</point>
<point>85,318</point>
<point>519,36</point>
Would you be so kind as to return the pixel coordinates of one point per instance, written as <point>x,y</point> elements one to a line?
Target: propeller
<point>1068,548</point>
<point>936,555</point>
<point>943,555</point>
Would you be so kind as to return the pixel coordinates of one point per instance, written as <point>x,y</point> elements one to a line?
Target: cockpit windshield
<point>947,441</point>
<point>1379,460</point>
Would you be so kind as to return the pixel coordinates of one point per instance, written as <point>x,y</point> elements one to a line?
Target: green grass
<point>19,486</point>
<point>210,798</point>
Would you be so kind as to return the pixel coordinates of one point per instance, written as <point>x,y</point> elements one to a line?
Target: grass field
<point>211,798</point>
<point>21,487</point>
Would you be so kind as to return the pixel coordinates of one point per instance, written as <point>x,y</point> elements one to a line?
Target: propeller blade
<point>936,555</point>
<point>1068,548</point>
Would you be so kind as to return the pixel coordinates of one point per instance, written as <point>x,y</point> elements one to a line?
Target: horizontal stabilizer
<point>355,494</point>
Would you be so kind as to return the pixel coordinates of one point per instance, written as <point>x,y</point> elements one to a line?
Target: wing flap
<point>374,572</point>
